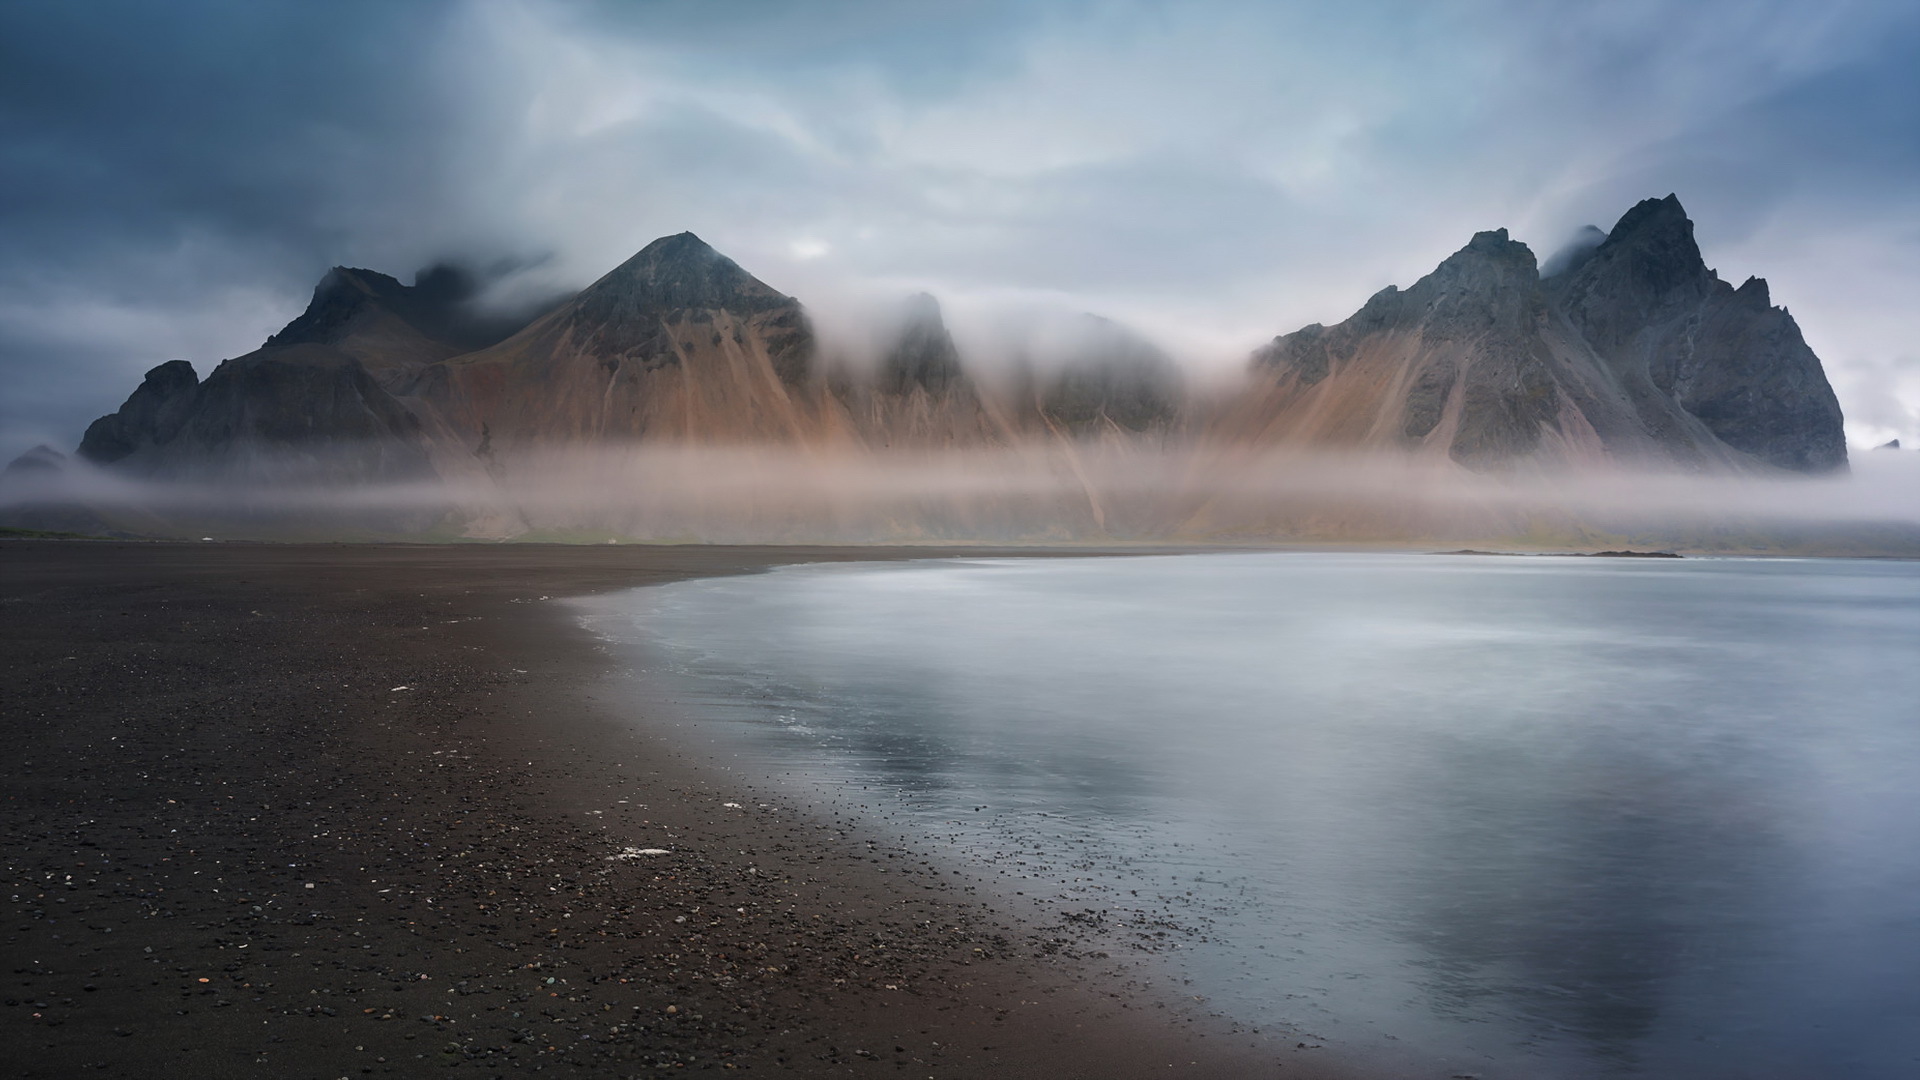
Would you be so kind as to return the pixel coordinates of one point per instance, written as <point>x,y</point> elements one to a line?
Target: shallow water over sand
<point>1515,817</point>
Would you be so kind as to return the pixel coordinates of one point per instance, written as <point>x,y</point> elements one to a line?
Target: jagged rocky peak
<point>1492,259</point>
<point>1493,280</point>
<point>1490,286</point>
<point>1660,234</point>
<point>1657,222</point>
<point>1647,304</point>
<point>306,412</point>
<point>1754,291</point>
<point>923,355</point>
<point>381,322</point>
<point>151,415</point>
<point>1629,347</point>
<point>1648,268</point>
<point>1890,444</point>
<point>312,401</point>
<point>1492,244</point>
<point>344,295</point>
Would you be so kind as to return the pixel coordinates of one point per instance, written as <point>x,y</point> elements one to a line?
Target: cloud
<point>1213,173</point>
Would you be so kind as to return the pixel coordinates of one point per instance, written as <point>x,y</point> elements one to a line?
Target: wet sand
<point>332,811</point>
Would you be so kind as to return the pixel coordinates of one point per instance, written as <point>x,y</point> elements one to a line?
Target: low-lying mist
<point>1046,492</point>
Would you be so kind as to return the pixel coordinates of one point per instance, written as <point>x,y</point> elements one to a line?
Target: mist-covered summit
<point>1111,380</point>
<point>316,402</point>
<point>377,319</point>
<point>923,355</point>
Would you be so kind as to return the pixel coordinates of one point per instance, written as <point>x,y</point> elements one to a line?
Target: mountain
<point>1111,381</point>
<point>316,402</point>
<point>1634,352</point>
<point>1626,350</point>
<point>676,343</point>
<point>149,419</point>
<point>305,413</point>
<point>923,356</point>
<point>1670,330</point>
<point>36,497</point>
<point>920,395</point>
<point>392,328</point>
<point>44,460</point>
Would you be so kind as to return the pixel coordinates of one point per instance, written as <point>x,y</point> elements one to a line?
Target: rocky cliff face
<point>1648,306</point>
<point>368,316</point>
<point>1634,352</point>
<point>149,419</point>
<point>394,329</point>
<point>305,413</point>
<point>317,402</point>
<point>1462,363</point>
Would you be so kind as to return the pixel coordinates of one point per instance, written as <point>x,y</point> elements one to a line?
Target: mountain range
<point>1625,349</point>
<point>1628,349</point>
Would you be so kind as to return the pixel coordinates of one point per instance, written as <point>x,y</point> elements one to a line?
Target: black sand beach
<point>235,847</point>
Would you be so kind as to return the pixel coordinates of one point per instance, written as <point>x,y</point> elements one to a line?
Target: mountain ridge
<point>1633,351</point>
<point>1627,350</point>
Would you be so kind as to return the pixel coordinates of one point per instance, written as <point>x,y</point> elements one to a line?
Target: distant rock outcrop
<point>38,461</point>
<point>1890,444</point>
<point>1632,351</point>
<point>36,498</point>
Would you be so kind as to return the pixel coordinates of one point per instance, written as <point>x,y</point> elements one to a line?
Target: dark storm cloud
<point>925,48</point>
<point>174,177</point>
<point>134,123</point>
<point>161,159</point>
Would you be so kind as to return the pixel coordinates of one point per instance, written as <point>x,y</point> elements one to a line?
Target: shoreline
<point>281,863</point>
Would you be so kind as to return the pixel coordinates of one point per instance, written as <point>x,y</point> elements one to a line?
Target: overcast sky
<point>175,177</point>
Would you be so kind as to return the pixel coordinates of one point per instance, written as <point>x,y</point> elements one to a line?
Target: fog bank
<point>1045,492</point>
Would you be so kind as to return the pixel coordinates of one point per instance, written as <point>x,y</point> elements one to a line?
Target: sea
<point>1525,816</point>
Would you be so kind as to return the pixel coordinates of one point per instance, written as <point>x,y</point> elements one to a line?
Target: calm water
<point>1512,816</point>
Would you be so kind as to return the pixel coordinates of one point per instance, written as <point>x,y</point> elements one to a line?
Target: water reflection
<point>1541,816</point>
<point>1576,887</point>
